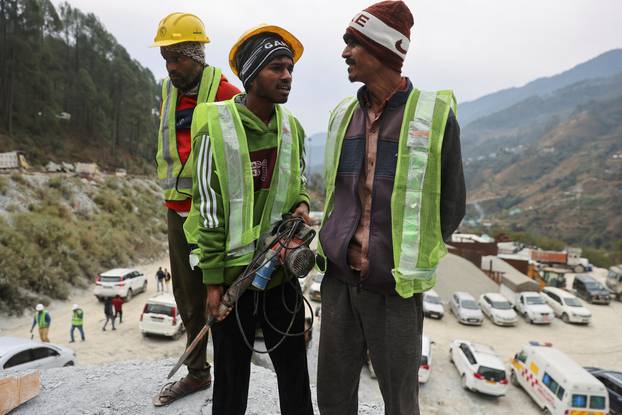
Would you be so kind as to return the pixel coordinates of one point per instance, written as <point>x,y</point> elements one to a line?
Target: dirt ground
<point>125,343</point>
<point>598,344</point>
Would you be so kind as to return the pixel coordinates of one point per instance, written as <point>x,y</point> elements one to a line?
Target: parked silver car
<point>22,354</point>
<point>432,305</point>
<point>467,311</point>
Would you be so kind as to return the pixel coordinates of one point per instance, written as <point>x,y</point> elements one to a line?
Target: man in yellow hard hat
<point>181,38</point>
<point>250,152</point>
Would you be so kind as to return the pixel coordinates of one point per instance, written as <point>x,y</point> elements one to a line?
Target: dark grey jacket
<point>339,228</point>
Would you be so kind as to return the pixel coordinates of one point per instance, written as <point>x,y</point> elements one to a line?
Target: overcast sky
<point>471,46</point>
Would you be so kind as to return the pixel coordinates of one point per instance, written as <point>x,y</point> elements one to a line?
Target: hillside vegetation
<point>70,92</point>
<point>564,183</point>
<point>59,231</point>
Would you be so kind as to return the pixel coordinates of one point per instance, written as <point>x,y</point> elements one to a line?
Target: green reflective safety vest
<point>232,159</point>
<point>415,202</point>
<point>41,323</point>
<point>77,318</point>
<point>175,177</point>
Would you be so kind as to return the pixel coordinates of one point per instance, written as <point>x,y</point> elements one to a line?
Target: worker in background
<point>109,313</point>
<point>265,142</point>
<point>167,280</point>
<point>42,320</point>
<point>181,38</point>
<point>77,322</point>
<point>395,192</point>
<point>117,304</point>
<point>160,276</point>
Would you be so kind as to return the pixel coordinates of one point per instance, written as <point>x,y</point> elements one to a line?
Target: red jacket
<point>117,303</point>
<point>225,91</point>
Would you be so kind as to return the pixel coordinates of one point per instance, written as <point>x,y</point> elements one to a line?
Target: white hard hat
<point>74,307</point>
<point>39,307</point>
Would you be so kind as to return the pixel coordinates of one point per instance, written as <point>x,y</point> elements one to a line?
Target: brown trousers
<point>189,292</point>
<point>43,334</point>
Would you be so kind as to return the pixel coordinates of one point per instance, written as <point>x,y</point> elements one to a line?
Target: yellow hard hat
<point>294,44</point>
<point>180,27</point>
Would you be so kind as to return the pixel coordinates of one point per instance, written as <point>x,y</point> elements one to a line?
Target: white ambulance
<point>558,384</point>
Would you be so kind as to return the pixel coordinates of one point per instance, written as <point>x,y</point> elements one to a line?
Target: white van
<point>558,384</point>
<point>161,316</point>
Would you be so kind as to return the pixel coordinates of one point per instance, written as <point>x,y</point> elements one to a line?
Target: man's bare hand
<point>214,300</point>
<point>302,211</point>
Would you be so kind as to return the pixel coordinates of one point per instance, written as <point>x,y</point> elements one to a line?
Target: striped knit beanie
<point>384,30</point>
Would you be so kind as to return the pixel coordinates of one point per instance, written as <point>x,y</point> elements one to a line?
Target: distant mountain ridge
<point>602,66</point>
<point>529,119</point>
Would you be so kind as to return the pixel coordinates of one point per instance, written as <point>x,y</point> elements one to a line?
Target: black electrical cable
<point>283,238</point>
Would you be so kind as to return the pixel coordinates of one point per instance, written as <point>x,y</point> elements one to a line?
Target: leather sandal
<point>173,391</point>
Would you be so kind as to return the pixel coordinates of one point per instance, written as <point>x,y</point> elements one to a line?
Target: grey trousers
<point>354,321</point>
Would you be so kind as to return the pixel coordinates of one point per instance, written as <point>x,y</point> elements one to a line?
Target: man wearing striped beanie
<point>395,193</point>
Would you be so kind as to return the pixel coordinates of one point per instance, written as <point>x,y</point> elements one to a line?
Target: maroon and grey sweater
<point>348,225</point>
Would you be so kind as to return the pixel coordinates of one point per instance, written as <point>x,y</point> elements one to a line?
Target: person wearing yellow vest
<point>77,322</point>
<point>181,38</point>
<point>249,172</point>
<point>42,320</point>
<point>394,192</point>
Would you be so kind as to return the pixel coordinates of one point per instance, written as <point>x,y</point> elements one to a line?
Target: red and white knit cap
<point>384,30</point>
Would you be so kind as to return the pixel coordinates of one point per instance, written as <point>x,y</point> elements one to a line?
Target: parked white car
<point>533,307</point>
<point>161,316</point>
<point>466,310</point>
<point>426,359</point>
<point>432,305</point>
<point>314,288</point>
<point>125,282</point>
<point>498,309</point>
<point>479,366</point>
<point>22,354</point>
<point>566,306</point>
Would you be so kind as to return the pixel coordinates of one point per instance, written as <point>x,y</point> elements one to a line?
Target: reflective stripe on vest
<point>413,165</point>
<point>77,317</point>
<point>41,323</point>
<point>415,201</point>
<point>175,177</point>
<point>337,125</point>
<point>231,154</point>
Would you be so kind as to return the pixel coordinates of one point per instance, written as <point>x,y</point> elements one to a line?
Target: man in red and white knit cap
<point>181,38</point>
<point>395,193</point>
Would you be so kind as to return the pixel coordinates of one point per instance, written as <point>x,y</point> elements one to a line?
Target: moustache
<point>350,61</point>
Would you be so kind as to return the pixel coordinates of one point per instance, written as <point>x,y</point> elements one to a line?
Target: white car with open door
<point>479,367</point>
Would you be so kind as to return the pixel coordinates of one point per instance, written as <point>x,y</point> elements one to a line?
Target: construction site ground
<point>119,371</point>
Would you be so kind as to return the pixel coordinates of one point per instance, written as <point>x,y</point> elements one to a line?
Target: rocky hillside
<point>566,182</point>
<point>59,231</point>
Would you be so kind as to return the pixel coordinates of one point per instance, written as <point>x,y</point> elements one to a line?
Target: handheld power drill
<point>287,244</point>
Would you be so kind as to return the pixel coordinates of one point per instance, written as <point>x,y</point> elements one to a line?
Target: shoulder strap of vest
<point>210,80</point>
<point>338,123</point>
<point>448,97</point>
